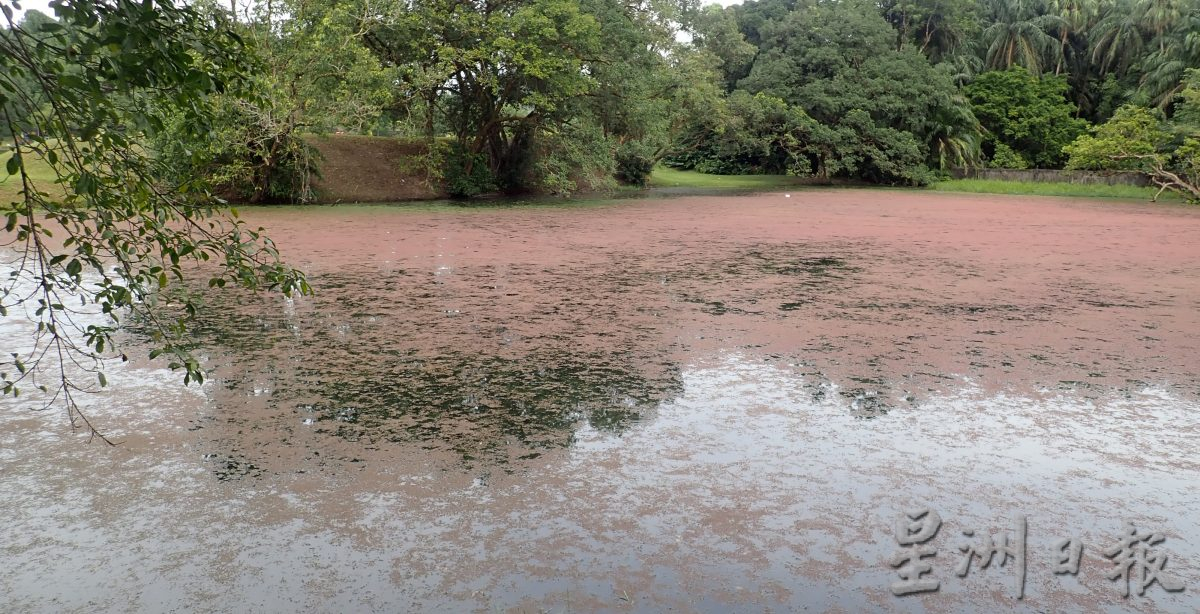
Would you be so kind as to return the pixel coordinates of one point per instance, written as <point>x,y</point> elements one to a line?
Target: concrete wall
<point>1041,175</point>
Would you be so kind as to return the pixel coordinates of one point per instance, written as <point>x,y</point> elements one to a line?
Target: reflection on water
<point>741,494</point>
<point>348,363</point>
<point>496,363</point>
<point>696,405</point>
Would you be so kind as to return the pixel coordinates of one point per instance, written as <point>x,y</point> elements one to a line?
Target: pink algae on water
<point>706,403</point>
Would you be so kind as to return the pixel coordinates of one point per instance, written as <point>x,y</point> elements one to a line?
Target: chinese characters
<point>914,528</point>
<point>1137,558</point>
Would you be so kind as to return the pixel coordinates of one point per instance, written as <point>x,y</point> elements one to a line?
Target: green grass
<point>664,177</point>
<point>996,186</point>
<point>39,171</point>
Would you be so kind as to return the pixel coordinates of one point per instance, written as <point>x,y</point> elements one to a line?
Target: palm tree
<point>1163,70</point>
<point>1163,80</point>
<point>1117,39</point>
<point>961,67</point>
<point>956,143</point>
<point>1159,16</point>
<point>946,28</point>
<point>1078,16</point>
<point>1019,36</point>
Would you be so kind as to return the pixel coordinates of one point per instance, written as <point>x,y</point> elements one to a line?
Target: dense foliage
<point>1024,116</point>
<point>1139,139</point>
<point>893,75</point>
<point>874,111</point>
<point>556,96</point>
<point>313,74</point>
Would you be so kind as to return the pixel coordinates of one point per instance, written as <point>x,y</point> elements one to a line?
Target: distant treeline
<point>555,96</point>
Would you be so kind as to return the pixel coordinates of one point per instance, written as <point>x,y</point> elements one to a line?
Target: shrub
<point>1005,157</point>
<point>635,161</point>
<point>466,174</point>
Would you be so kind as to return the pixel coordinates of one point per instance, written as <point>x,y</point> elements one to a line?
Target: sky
<point>41,5</point>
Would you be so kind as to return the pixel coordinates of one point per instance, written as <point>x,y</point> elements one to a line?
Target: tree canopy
<point>1139,139</point>
<point>1028,115</point>
<point>555,96</point>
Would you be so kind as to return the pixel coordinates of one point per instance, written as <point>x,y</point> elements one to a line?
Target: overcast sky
<point>41,5</point>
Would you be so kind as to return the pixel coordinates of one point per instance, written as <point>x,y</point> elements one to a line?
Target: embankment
<point>371,169</point>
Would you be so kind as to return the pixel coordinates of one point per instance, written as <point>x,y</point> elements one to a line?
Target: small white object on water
<point>787,195</point>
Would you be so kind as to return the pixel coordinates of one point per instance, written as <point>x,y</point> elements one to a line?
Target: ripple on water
<point>718,408</point>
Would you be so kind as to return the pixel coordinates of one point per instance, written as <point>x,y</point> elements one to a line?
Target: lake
<point>701,403</point>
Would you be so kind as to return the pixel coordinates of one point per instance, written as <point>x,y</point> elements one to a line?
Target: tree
<point>1029,115</point>
<point>109,238</point>
<point>755,15</point>
<point>647,84</point>
<point>28,99</point>
<point>939,28</point>
<point>1138,139</point>
<point>1122,143</point>
<point>1117,39</point>
<point>751,135</point>
<point>1158,17</point>
<point>1177,50</point>
<point>536,95</point>
<point>316,77</point>
<point>839,64</point>
<point>1019,35</point>
<point>716,31</point>
<point>498,72</point>
<point>1074,18</point>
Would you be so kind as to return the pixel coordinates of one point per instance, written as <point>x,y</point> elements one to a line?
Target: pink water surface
<point>715,403</point>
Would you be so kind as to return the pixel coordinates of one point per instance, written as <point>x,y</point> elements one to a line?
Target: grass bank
<point>664,177</point>
<point>371,169</point>
<point>39,171</point>
<point>1083,190</point>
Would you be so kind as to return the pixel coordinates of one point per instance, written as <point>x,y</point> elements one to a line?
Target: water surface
<point>701,404</point>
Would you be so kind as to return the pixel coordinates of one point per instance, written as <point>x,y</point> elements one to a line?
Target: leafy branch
<point>109,232</point>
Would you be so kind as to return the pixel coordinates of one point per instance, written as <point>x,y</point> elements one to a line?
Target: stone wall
<point>1041,175</point>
